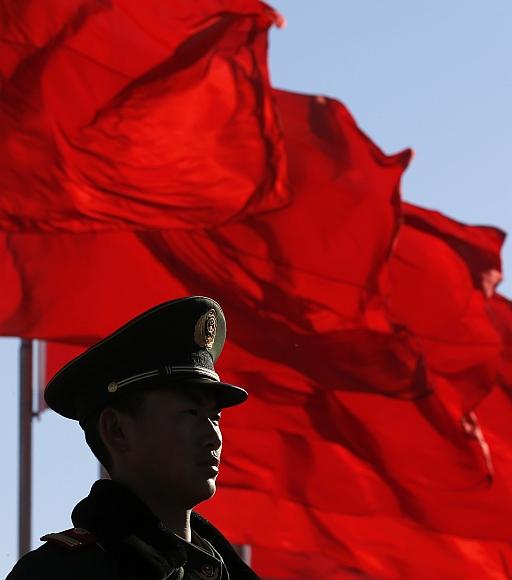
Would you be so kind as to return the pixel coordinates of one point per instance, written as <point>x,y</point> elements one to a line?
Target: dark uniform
<point>116,537</point>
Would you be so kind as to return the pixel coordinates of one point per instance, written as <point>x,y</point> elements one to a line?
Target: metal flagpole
<point>25,472</point>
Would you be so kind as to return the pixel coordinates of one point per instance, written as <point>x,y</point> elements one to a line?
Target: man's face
<point>175,444</point>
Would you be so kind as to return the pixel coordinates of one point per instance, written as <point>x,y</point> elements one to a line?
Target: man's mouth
<point>213,462</point>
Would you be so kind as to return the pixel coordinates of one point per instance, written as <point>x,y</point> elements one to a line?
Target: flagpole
<point>25,434</point>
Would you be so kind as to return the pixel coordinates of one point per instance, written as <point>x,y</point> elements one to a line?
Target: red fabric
<point>313,269</point>
<point>441,273</point>
<point>326,473</point>
<point>300,285</point>
<point>306,277</point>
<point>78,288</point>
<point>478,246</point>
<point>164,119</point>
<point>501,316</point>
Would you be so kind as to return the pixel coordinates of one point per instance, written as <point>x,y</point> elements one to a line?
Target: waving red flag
<point>478,246</point>
<point>307,276</point>
<point>371,489</point>
<point>501,315</point>
<point>300,285</point>
<point>324,479</point>
<point>442,273</point>
<point>147,115</point>
<point>77,288</point>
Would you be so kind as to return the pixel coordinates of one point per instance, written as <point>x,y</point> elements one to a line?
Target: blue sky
<point>433,76</point>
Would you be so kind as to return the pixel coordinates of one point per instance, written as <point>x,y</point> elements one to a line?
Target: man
<point>149,401</point>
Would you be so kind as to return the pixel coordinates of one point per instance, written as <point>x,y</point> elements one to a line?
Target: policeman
<point>149,401</point>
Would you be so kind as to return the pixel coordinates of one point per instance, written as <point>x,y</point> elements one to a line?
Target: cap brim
<point>227,395</point>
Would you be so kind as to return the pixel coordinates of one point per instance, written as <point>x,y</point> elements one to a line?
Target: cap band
<point>166,371</point>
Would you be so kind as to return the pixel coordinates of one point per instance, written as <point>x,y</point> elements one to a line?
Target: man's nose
<point>212,436</point>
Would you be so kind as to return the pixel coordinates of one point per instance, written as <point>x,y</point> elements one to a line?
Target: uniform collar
<point>141,544</point>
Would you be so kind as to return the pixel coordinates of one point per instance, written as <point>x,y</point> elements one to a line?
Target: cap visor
<point>227,395</point>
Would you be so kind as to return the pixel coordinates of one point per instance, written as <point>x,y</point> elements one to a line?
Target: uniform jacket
<point>118,538</point>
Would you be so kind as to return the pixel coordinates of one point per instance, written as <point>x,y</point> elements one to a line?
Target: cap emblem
<point>206,329</point>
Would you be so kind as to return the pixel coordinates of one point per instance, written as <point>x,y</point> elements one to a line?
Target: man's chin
<point>202,492</point>
<point>210,487</point>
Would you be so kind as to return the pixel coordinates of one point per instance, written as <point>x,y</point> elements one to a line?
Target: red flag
<point>501,316</point>
<point>478,246</point>
<point>78,288</point>
<point>306,277</point>
<point>345,483</point>
<point>441,275</point>
<point>136,115</point>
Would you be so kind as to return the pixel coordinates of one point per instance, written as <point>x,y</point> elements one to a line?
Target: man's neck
<point>175,521</point>
<point>174,518</point>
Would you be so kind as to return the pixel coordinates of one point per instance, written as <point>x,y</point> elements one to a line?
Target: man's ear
<point>113,432</point>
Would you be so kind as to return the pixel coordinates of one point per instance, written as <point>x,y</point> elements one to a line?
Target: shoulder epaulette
<point>71,539</point>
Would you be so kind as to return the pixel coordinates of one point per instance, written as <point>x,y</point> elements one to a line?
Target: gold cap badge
<point>206,329</point>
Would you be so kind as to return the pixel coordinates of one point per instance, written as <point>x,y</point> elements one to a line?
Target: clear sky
<point>434,76</point>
